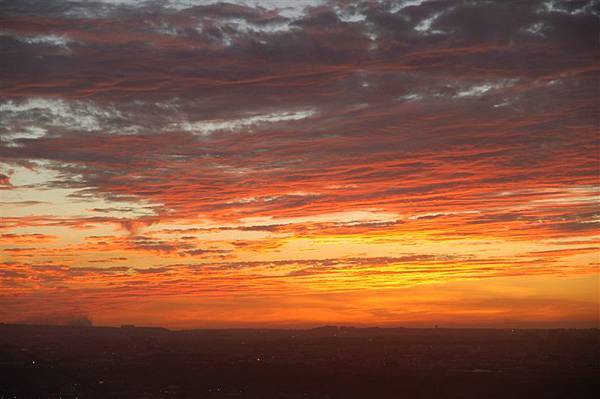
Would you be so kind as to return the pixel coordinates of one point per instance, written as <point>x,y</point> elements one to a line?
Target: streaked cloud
<point>247,123</point>
<point>381,155</point>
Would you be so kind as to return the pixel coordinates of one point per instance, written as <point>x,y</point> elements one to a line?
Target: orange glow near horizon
<point>387,170</point>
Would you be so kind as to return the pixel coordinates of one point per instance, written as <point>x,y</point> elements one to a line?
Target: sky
<point>278,163</point>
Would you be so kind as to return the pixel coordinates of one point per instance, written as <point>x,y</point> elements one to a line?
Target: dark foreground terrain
<point>329,362</point>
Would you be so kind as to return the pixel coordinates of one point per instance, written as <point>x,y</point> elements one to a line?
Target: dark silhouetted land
<point>329,362</point>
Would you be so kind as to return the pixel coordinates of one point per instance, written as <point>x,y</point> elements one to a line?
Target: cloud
<point>425,26</point>
<point>208,127</point>
<point>22,119</point>
<point>26,238</point>
<point>47,39</point>
<point>479,90</point>
<point>4,181</point>
<point>401,5</point>
<point>569,8</point>
<point>293,147</point>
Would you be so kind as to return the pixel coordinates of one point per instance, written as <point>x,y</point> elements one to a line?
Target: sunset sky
<point>294,163</point>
